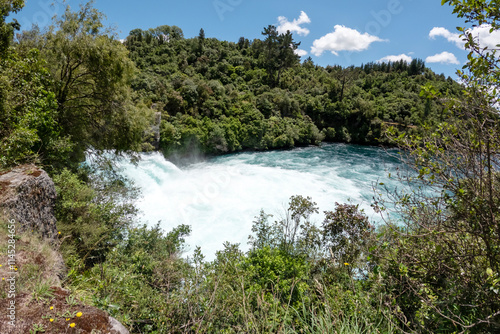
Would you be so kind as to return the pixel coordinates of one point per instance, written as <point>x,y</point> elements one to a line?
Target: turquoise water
<point>220,197</point>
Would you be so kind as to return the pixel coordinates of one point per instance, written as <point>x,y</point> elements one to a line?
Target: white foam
<point>220,198</point>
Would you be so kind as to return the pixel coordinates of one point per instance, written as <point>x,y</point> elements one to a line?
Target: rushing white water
<point>219,198</point>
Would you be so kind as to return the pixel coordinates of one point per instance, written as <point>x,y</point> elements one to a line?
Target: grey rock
<point>117,326</point>
<point>28,195</point>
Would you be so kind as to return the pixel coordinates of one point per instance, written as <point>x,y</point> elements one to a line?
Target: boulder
<point>27,196</point>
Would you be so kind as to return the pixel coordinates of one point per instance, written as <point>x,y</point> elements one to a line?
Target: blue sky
<point>331,32</point>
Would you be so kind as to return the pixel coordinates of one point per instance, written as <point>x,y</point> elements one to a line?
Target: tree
<point>201,41</point>
<point>417,66</point>
<point>28,109</point>
<point>443,265</point>
<point>346,233</point>
<point>345,76</point>
<point>91,75</point>
<point>279,53</point>
<point>29,132</point>
<point>294,234</point>
<point>286,56</point>
<point>7,29</point>
<point>241,42</point>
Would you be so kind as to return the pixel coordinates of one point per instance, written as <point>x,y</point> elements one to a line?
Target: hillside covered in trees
<point>219,96</point>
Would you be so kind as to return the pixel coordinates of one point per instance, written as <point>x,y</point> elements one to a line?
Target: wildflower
<point>79,314</point>
<point>345,263</point>
<point>58,232</point>
<point>52,307</point>
<point>51,320</point>
<point>72,325</point>
<point>67,319</point>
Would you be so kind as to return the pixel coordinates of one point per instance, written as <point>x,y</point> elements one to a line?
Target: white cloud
<point>294,26</point>
<point>444,58</point>
<point>486,39</point>
<point>300,52</point>
<point>394,58</point>
<point>451,37</point>
<point>491,40</point>
<point>343,39</point>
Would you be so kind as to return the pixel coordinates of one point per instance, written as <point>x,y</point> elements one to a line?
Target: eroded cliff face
<point>28,195</point>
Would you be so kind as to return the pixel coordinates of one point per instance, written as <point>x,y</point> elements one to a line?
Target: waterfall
<point>220,197</point>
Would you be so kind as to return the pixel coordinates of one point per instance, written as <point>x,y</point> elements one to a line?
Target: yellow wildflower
<point>79,314</point>
<point>51,320</point>
<point>72,325</point>
<point>67,319</point>
<point>345,263</point>
<point>52,307</point>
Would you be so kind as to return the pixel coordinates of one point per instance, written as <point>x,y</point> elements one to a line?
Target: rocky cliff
<point>28,195</point>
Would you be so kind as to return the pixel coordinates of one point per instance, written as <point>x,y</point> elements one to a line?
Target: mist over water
<point>220,198</point>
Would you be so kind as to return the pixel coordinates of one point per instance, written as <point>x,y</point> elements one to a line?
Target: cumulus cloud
<point>343,39</point>
<point>394,58</point>
<point>300,52</point>
<point>444,58</point>
<point>451,37</point>
<point>491,40</point>
<point>482,33</point>
<point>294,26</point>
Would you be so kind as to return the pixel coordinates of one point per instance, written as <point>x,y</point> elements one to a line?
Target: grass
<point>42,292</point>
<point>42,305</point>
<point>36,259</point>
<point>328,321</point>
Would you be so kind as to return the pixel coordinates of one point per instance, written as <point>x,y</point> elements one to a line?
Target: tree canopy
<point>80,96</point>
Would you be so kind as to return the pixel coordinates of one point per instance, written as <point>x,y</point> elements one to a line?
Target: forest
<point>75,89</point>
<point>218,97</point>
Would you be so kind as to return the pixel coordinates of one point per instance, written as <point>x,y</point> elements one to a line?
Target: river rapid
<point>220,197</point>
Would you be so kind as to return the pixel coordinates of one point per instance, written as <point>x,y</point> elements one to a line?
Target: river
<point>220,197</point>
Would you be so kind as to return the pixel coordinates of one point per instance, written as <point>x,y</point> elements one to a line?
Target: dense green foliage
<point>217,96</point>
<point>74,89</point>
<point>66,91</point>
<point>92,215</point>
<point>7,29</point>
<point>442,260</point>
<point>275,287</point>
<point>28,116</point>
